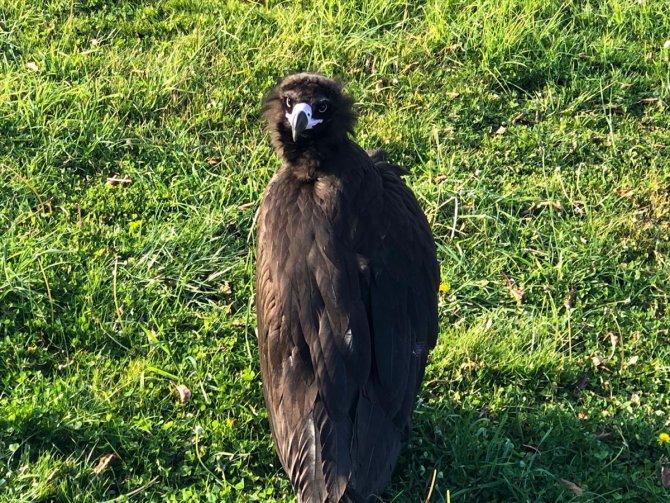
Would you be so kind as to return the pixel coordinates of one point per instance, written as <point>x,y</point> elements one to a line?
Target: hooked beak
<point>299,122</point>
<point>300,119</point>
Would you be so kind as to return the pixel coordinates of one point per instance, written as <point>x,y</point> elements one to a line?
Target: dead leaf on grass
<point>572,487</point>
<point>103,462</point>
<point>515,293</point>
<point>183,393</point>
<point>116,181</point>
<point>614,339</point>
<point>599,362</point>
<point>524,120</point>
<point>632,361</point>
<point>635,399</point>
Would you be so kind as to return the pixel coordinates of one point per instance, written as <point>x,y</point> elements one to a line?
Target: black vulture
<point>347,283</point>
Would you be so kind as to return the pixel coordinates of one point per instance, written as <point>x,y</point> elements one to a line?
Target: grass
<point>537,133</point>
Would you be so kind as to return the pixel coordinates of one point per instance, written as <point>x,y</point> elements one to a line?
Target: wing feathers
<point>347,283</point>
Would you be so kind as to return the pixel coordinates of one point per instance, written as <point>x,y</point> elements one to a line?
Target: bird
<point>347,282</point>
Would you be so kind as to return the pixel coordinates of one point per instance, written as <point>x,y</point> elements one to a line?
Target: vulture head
<point>306,111</point>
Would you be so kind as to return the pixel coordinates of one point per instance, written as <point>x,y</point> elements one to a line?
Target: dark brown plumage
<point>347,282</point>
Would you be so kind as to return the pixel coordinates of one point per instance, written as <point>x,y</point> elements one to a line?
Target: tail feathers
<point>335,439</point>
<point>376,444</point>
<point>351,496</point>
<point>305,473</point>
<point>315,480</point>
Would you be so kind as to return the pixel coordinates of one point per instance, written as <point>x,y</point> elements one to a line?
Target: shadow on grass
<point>69,448</point>
<point>507,443</point>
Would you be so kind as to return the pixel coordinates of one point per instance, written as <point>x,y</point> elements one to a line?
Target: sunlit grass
<point>537,138</point>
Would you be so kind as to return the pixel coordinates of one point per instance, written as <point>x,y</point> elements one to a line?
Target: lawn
<point>132,160</point>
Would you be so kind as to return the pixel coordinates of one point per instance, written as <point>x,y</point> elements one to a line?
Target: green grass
<point>537,134</point>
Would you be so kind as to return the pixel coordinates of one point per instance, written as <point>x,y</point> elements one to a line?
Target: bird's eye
<point>289,103</point>
<point>322,107</point>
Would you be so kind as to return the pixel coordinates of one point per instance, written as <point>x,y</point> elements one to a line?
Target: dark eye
<point>322,107</point>
<point>289,103</point>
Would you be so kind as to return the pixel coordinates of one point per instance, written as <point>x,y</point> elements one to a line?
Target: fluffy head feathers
<point>307,111</point>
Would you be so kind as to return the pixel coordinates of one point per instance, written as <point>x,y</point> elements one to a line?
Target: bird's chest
<point>302,254</point>
<point>296,217</point>
<point>305,246</point>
